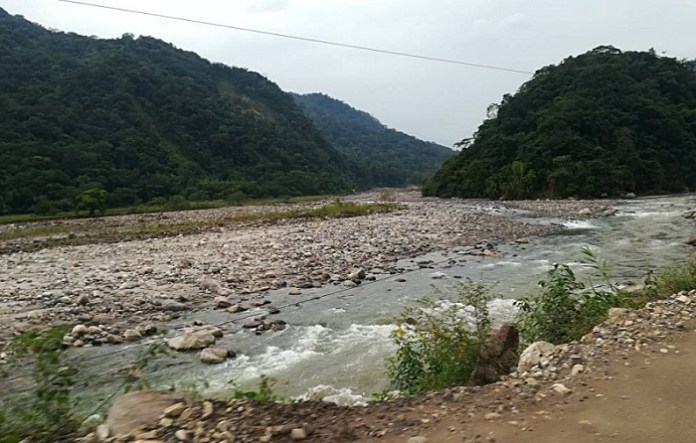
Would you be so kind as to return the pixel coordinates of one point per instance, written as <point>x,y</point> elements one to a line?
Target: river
<point>337,338</point>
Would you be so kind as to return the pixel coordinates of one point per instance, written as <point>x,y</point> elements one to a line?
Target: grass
<point>50,235</point>
<point>155,208</point>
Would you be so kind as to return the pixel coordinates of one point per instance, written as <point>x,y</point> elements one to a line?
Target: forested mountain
<point>605,122</point>
<point>141,119</point>
<point>385,157</point>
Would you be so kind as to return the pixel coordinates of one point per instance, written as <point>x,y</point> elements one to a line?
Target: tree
<point>93,199</point>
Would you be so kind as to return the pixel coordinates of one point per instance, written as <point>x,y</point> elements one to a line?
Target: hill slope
<point>605,122</point>
<point>385,157</point>
<point>142,119</point>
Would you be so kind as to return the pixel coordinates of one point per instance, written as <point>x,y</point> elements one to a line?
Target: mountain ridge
<point>385,156</point>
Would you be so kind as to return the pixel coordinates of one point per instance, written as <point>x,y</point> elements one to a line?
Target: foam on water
<point>328,393</point>
<point>579,224</point>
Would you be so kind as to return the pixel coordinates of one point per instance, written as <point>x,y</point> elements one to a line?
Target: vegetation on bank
<point>64,234</point>
<point>45,413</point>
<point>603,123</point>
<point>143,120</point>
<point>383,156</point>
<point>441,343</point>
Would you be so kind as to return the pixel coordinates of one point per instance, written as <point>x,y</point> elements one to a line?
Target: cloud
<point>261,6</point>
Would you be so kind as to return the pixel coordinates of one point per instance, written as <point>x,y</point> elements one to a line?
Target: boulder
<point>585,212</point>
<point>499,356</point>
<point>214,355</point>
<point>191,341</point>
<point>533,354</point>
<point>142,408</point>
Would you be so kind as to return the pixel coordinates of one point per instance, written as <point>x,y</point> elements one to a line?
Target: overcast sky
<point>434,101</point>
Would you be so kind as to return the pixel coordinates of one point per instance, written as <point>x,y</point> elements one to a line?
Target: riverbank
<point>636,364</point>
<point>147,282</point>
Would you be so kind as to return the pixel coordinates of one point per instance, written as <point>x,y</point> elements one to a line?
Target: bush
<point>440,342</point>
<point>177,203</point>
<point>564,310</point>
<point>677,278</point>
<point>46,413</point>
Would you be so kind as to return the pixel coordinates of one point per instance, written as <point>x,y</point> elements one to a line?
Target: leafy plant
<point>264,392</point>
<point>440,341</point>
<point>47,413</point>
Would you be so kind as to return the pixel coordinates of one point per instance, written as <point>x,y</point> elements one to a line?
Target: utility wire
<point>302,38</point>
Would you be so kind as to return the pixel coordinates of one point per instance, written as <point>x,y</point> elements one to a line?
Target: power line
<point>302,38</point>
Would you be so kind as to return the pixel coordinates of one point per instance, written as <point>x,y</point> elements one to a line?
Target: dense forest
<point>135,119</point>
<point>385,157</point>
<point>603,123</point>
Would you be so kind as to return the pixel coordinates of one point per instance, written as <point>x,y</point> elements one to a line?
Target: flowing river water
<point>337,338</point>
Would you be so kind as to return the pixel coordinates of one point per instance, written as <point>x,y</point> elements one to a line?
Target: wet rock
<point>191,341</point>
<point>236,308</point>
<point>131,335</point>
<point>214,355</point>
<point>585,212</point>
<point>174,306</point>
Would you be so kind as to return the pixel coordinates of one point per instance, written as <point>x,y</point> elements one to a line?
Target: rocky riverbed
<point>120,292</point>
<point>549,379</point>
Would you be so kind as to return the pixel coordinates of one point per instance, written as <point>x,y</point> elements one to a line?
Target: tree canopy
<point>383,156</point>
<point>141,119</point>
<point>606,122</point>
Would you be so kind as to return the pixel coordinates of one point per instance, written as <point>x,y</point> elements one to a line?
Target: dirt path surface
<point>640,399</point>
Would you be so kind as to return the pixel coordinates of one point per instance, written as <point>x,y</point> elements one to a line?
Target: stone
<point>418,439</point>
<point>80,330</point>
<point>174,306</point>
<point>682,299</point>
<point>585,212</point>
<point>131,335</point>
<point>191,341</point>
<point>183,435</point>
<point>236,308</point>
<point>212,285</point>
<point>492,416</point>
<point>174,410</point>
<point>560,388</point>
<point>208,410</point>
<point>349,284</point>
<point>214,355</point>
<point>533,354</point>
<point>498,357</point>
<point>298,434</point>
<point>102,432</point>
<point>295,292</point>
<point>83,300</point>
<point>222,302</point>
<point>358,274</point>
<point>576,370</point>
<point>114,339</point>
<point>135,409</point>
<point>438,275</point>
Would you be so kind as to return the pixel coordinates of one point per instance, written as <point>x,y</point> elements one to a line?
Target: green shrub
<point>176,203</point>
<point>677,278</point>
<point>565,309</point>
<point>438,346</point>
<point>46,413</point>
<point>264,393</point>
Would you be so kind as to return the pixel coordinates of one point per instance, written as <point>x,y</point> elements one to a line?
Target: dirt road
<point>638,399</point>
